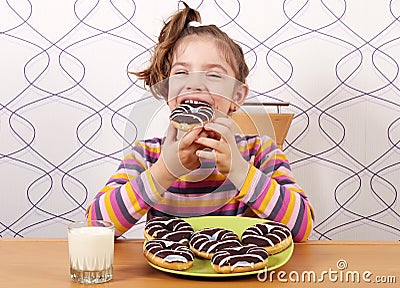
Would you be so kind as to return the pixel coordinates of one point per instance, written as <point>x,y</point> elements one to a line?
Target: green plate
<point>203,268</point>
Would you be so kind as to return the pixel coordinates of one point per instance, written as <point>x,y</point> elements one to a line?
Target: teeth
<point>189,101</point>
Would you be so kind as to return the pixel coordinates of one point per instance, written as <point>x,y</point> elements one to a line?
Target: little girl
<point>208,170</point>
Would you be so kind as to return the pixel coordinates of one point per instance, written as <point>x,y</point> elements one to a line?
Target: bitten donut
<point>272,236</point>
<point>239,259</point>
<point>191,113</point>
<point>168,228</point>
<point>205,242</point>
<point>168,254</point>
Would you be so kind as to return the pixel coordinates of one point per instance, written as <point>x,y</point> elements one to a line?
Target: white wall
<point>65,98</point>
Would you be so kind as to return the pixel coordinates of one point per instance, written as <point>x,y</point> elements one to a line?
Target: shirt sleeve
<point>128,194</point>
<point>271,191</point>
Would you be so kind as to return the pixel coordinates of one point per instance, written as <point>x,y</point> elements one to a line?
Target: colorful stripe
<point>269,190</point>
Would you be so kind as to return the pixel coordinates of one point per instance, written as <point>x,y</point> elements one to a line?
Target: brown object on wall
<point>274,125</point>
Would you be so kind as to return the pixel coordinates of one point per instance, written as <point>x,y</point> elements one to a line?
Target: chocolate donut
<point>239,259</point>
<point>272,236</point>
<point>205,242</point>
<point>191,113</point>
<point>168,254</point>
<point>168,228</point>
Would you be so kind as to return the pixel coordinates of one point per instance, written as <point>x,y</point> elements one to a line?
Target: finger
<point>191,136</point>
<point>203,133</point>
<point>208,142</point>
<point>172,132</point>
<point>225,127</point>
<point>206,154</point>
<point>211,134</point>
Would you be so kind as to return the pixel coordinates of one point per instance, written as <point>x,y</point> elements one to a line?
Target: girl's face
<point>200,72</point>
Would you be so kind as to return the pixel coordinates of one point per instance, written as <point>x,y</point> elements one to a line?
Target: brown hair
<point>176,29</point>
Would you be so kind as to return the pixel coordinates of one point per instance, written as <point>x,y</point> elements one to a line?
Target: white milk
<point>91,248</point>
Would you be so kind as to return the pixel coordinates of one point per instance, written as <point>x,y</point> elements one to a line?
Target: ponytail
<point>163,51</point>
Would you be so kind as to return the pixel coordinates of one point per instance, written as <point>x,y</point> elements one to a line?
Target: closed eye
<point>181,73</point>
<point>214,75</point>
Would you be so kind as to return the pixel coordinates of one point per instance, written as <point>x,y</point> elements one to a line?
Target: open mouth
<point>195,102</point>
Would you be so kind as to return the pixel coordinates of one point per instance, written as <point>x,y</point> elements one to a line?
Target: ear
<point>239,96</point>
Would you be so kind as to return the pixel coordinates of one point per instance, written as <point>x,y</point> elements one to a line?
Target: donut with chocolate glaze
<point>272,236</point>
<point>168,228</point>
<point>168,254</point>
<point>191,113</point>
<point>205,242</point>
<point>239,259</point>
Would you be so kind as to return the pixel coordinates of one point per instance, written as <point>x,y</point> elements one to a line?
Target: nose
<point>195,82</point>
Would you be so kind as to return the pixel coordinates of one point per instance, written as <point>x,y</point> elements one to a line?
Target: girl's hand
<point>179,156</point>
<point>222,148</point>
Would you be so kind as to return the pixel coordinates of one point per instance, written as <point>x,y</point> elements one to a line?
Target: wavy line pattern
<point>66,98</point>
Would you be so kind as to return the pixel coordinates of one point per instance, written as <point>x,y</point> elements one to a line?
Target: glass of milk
<point>91,251</point>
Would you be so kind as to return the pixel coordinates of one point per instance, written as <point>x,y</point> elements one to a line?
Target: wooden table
<point>44,263</point>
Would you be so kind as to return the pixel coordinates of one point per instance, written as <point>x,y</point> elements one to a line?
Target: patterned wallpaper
<point>66,101</point>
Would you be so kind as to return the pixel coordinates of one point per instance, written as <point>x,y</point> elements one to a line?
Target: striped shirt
<point>269,190</point>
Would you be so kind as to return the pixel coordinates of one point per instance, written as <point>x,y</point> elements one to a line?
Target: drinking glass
<point>91,251</point>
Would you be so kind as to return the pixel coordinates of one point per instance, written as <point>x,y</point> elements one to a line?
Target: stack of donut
<point>167,243</point>
<point>173,244</point>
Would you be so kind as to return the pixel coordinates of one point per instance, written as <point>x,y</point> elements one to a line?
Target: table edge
<point>140,240</point>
